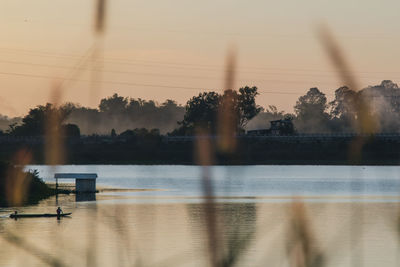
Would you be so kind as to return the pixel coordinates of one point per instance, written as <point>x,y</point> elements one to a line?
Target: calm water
<point>242,181</point>
<point>348,217</point>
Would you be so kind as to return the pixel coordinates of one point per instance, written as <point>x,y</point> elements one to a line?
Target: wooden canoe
<point>38,215</point>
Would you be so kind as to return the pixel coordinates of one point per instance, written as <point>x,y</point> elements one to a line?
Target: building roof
<point>75,175</point>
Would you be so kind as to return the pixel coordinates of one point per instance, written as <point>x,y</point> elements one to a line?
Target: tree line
<point>117,114</point>
<point>379,105</point>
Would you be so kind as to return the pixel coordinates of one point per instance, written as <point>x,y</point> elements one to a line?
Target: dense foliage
<point>18,187</point>
<point>202,110</point>
<point>44,120</point>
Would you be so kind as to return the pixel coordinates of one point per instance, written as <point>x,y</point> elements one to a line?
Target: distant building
<point>84,182</point>
<point>277,128</point>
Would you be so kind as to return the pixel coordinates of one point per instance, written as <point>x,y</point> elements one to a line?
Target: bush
<point>20,188</point>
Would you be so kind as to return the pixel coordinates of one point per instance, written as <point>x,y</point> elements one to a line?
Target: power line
<point>180,65</point>
<point>136,84</point>
<point>150,63</point>
<point>158,74</point>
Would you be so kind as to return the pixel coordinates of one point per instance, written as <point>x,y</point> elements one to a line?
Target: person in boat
<point>59,211</point>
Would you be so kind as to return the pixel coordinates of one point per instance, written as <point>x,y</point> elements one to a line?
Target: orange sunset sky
<point>173,49</point>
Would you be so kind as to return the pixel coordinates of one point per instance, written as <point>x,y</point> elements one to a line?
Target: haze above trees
<point>312,113</point>
<point>122,113</point>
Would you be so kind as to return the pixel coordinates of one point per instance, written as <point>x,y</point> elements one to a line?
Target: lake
<point>252,216</point>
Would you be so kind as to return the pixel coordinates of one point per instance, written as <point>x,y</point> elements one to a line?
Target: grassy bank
<point>18,188</point>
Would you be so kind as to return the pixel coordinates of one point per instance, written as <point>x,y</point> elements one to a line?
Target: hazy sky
<point>174,49</point>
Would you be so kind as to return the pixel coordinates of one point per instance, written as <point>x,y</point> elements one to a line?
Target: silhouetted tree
<point>201,111</point>
<point>344,103</point>
<point>247,106</point>
<point>343,110</point>
<point>35,122</point>
<point>113,133</point>
<point>310,111</point>
<point>115,104</point>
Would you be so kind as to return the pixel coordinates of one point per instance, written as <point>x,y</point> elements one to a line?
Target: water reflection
<point>240,228</point>
<point>172,234</point>
<point>236,226</point>
<point>79,197</point>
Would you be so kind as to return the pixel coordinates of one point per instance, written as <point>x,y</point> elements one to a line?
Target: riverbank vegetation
<point>18,187</point>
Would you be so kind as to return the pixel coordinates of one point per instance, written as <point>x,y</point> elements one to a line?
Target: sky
<point>174,49</point>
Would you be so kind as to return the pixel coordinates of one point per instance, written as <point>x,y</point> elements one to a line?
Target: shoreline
<point>99,189</point>
<point>394,162</point>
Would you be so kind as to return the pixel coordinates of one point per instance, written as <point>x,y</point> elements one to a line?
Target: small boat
<point>13,215</point>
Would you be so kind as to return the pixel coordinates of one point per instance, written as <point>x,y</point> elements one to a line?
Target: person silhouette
<point>59,212</point>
